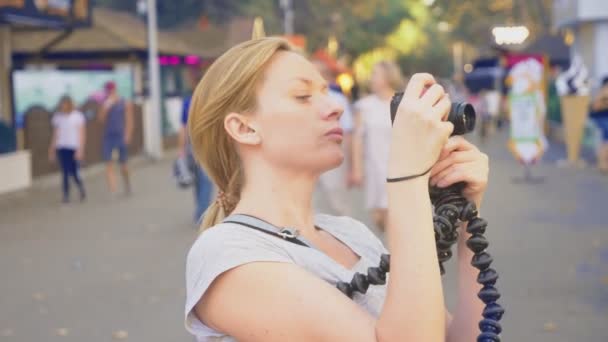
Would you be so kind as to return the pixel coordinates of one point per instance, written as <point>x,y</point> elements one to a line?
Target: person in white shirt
<point>335,182</point>
<point>372,138</point>
<point>67,144</point>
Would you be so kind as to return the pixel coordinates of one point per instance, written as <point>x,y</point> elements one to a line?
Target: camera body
<point>462,115</point>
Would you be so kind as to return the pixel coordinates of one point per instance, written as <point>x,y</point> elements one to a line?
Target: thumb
<point>447,128</point>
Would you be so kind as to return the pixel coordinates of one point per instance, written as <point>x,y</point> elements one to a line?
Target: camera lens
<point>462,115</point>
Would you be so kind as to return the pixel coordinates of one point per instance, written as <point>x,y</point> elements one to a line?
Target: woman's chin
<point>332,162</point>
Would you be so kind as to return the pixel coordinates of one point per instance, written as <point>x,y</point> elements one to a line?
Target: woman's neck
<point>385,94</point>
<point>279,197</point>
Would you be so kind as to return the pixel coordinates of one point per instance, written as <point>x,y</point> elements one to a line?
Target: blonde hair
<point>393,74</point>
<point>229,85</point>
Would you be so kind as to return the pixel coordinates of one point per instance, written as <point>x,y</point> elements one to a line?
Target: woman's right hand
<point>419,131</point>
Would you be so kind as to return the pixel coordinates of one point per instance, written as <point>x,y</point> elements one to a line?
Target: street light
<point>443,26</point>
<point>152,118</point>
<point>510,35</point>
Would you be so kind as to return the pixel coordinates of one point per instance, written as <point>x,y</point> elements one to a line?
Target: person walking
<point>334,184</point>
<point>202,186</point>
<point>371,143</point>
<point>116,116</point>
<point>68,143</point>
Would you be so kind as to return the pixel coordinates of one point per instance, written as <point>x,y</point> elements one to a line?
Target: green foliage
<point>405,30</point>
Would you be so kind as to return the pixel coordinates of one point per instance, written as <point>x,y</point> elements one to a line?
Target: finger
<point>452,145</point>
<point>442,107</point>
<point>453,158</point>
<point>444,173</point>
<point>433,94</point>
<point>416,84</point>
<point>446,128</point>
<point>458,175</point>
<point>457,143</point>
<point>471,173</point>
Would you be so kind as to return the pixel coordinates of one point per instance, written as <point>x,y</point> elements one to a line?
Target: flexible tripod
<point>450,210</point>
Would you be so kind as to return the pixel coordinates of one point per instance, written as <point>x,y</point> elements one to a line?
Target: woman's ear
<point>241,129</point>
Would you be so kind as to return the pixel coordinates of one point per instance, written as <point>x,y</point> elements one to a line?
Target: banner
<point>527,107</point>
<point>45,87</point>
<point>46,13</point>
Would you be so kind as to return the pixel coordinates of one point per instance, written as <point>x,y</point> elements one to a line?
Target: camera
<point>462,115</point>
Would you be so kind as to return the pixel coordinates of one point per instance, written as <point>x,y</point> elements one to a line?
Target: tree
<point>359,25</point>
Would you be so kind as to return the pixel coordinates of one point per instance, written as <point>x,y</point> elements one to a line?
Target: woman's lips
<point>336,133</point>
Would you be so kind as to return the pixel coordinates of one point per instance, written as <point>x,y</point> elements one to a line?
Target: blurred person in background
<point>372,138</point>
<point>599,113</point>
<point>264,128</point>
<point>68,144</point>
<point>202,186</point>
<point>116,115</point>
<point>480,102</point>
<point>335,183</point>
<point>456,88</point>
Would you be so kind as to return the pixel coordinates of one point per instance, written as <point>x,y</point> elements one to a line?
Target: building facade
<point>587,22</point>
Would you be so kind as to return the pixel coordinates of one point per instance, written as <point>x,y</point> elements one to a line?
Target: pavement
<point>112,268</point>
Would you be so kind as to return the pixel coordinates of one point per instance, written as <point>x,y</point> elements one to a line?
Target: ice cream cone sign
<point>573,89</point>
<point>527,110</point>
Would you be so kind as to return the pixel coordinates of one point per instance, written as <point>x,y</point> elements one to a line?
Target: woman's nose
<point>332,108</point>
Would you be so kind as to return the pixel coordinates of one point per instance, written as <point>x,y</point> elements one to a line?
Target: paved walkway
<point>113,268</point>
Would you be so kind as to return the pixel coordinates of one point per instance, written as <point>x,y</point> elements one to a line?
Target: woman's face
<point>65,106</point>
<point>379,81</point>
<point>296,118</point>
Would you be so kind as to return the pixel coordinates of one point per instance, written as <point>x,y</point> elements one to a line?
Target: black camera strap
<point>288,234</point>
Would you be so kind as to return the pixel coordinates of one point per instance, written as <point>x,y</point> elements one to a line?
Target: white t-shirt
<point>68,129</point>
<point>376,129</point>
<point>229,245</point>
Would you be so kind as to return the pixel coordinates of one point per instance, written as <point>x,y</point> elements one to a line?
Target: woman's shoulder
<point>365,101</point>
<point>233,241</point>
<point>218,249</point>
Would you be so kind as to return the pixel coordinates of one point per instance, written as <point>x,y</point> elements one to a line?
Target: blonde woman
<point>265,267</point>
<point>372,140</point>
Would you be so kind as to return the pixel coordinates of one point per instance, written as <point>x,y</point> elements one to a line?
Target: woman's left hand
<point>461,161</point>
<point>79,155</point>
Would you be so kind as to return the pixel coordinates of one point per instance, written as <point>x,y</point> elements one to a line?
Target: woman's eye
<point>303,98</point>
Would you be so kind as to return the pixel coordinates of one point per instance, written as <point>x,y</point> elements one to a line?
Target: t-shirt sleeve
<point>216,251</point>
<point>55,120</point>
<point>80,119</point>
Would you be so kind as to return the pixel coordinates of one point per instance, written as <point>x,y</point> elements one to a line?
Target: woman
<point>264,129</point>
<point>67,144</point>
<point>373,138</point>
